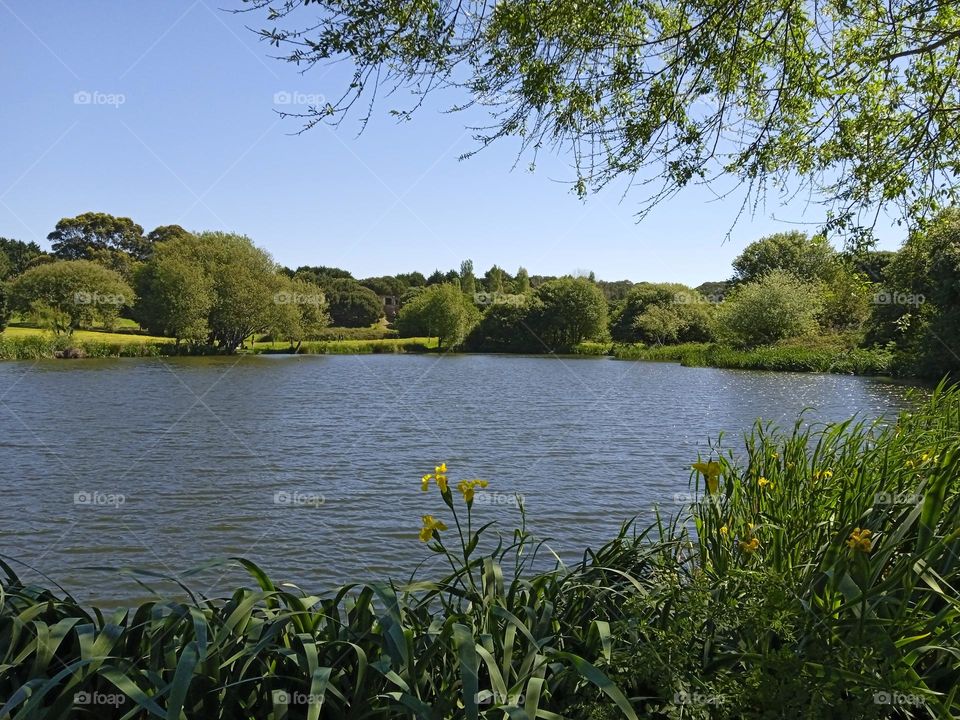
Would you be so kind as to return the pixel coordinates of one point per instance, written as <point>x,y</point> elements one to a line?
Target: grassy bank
<point>25,343</point>
<point>351,347</point>
<point>817,577</point>
<point>793,358</point>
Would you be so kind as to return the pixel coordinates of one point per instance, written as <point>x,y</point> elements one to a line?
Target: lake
<point>310,465</point>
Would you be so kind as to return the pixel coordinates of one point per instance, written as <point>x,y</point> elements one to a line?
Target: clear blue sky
<point>197,142</point>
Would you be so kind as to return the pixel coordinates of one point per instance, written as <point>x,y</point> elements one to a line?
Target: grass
<point>792,358</point>
<point>352,347</point>
<point>811,573</point>
<point>15,332</point>
<point>19,342</point>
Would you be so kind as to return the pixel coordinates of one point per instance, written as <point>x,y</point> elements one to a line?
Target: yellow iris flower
<point>711,471</point>
<point>467,487</point>
<point>763,482</point>
<point>860,540</point>
<point>439,474</point>
<point>751,546</point>
<point>430,526</point>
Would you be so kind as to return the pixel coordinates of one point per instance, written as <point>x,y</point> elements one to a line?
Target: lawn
<point>20,331</point>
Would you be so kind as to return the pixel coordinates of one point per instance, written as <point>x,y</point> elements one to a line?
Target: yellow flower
<point>439,474</point>
<point>466,487</point>
<point>763,482</point>
<point>774,456</point>
<point>751,546</point>
<point>724,530</point>
<point>711,471</point>
<point>823,474</point>
<point>430,526</point>
<point>909,463</point>
<point>860,540</point>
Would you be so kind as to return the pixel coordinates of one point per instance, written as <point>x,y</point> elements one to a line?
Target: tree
<point>386,285</point>
<point>495,280</point>
<point>662,313</point>
<point>15,256</point>
<point>300,310</point>
<point>810,259</point>
<point>224,275</point>
<point>412,279</point>
<point>164,233</point>
<point>440,311</point>
<point>351,304</point>
<point>569,311</point>
<point>918,306</point>
<point>176,295</point>
<point>852,99</point>
<point>468,281</point>
<point>77,238</point>
<point>505,327</point>
<point>521,282</point>
<point>321,275</point>
<point>776,307</point>
<point>69,294</point>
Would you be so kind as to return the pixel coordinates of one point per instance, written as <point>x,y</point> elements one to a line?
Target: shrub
<point>776,307</point>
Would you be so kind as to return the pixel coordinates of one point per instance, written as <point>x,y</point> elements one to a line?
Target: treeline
<point>218,289</point>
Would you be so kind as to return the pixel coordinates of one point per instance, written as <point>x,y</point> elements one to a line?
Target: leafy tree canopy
<point>69,294</point>
<point>440,311</point>
<point>855,100</point>
<point>809,259</point>
<point>80,237</point>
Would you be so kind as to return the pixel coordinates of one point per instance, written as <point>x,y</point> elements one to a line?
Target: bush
<point>776,307</point>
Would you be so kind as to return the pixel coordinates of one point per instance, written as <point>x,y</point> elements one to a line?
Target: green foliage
<point>176,294</point>
<point>809,259</point>
<point>217,285</point>
<point>805,357</point>
<point>567,311</point>
<point>918,306</point>
<point>853,100</point>
<point>662,313</point>
<point>351,304</point>
<point>164,233</point>
<point>68,294</point>
<point>775,307</point>
<point>385,285</point>
<point>504,327</point>
<point>300,310</point>
<point>78,238</point>
<point>440,311</point>
<point>15,256</point>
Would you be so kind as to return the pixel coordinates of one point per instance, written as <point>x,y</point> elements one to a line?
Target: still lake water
<point>199,449</point>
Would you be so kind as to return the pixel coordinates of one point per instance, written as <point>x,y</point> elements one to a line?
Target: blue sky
<point>181,127</point>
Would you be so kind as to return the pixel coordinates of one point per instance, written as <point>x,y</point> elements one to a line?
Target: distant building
<point>391,304</point>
